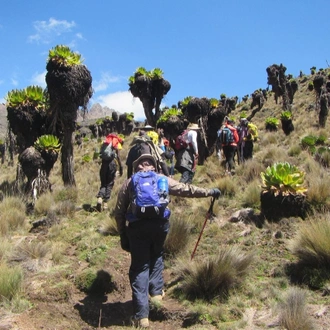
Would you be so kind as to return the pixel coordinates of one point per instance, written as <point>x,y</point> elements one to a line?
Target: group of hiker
<point>236,140</point>
<point>142,207</point>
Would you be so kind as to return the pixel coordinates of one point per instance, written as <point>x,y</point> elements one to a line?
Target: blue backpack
<point>149,202</point>
<point>226,136</point>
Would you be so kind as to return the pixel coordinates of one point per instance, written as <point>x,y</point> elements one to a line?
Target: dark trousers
<point>107,176</point>
<point>229,152</point>
<point>146,240</point>
<point>186,176</point>
<point>248,150</point>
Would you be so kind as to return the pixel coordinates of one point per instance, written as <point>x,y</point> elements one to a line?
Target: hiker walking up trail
<point>248,133</point>
<point>142,217</point>
<point>187,156</point>
<point>109,154</point>
<point>143,144</point>
<point>229,139</point>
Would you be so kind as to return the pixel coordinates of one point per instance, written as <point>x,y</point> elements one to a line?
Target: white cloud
<point>123,102</point>
<point>46,30</point>
<point>14,81</point>
<point>39,79</point>
<point>103,83</point>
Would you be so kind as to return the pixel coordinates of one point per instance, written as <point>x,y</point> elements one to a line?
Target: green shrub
<point>286,115</point>
<point>283,179</point>
<point>11,280</point>
<point>272,122</point>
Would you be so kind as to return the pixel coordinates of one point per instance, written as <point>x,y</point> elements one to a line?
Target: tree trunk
<point>67,159</point>
<point>148,106</point>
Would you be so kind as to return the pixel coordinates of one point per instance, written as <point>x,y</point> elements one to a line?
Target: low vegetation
<point>250,271</point>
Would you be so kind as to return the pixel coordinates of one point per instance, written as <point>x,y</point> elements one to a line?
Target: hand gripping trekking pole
<point>208,215</point>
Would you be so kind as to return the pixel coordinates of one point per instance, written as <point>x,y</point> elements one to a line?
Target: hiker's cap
<point>147,127</point>
<point>193,126</point>
<point>144,157</point>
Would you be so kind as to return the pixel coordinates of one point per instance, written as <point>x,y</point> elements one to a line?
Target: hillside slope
<point>76,243</point>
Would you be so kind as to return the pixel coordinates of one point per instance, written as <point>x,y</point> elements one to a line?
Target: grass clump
<point>178,237</point>
<point>214,277</point>
<point>11,279</point>
<point>293,312</point>
<point>12,210</point>
<point>312,245</point>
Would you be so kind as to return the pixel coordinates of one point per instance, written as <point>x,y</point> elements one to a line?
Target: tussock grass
<point>214,277</point>
<point>32,250</point>
<point>294,150</point>
<point>5,249</point>
<point>227,186</point>
<point>251,195</point>
<point>319,191</point>
<point>11,280</point>
<point>250,170</point>
<point>293,313</point>
<point>66,208</point>
<point>108,225</point>
<point>43,204</point>
<point>66,194</point>
<point>312,244</point>
<point>178,237</point>
<point>12,210</point>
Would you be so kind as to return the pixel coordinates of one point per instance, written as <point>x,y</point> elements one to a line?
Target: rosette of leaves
<point>48,143</point>
<point>182,104</point>
<point>283,179</point>
<point>150,87</point>
<point>309,142</point>
<point>130,116</point>
<point>283,192</point>
<point>214,103</point>
<point>167,114</point>
<point>310,86</point>
<point>26,114</point>
<point>243,114</point>
<point>272,124</point>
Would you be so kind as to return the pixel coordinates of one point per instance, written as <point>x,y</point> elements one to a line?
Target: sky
<point>204,47</point>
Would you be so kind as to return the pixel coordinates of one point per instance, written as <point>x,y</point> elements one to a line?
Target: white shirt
<point>192,139</point>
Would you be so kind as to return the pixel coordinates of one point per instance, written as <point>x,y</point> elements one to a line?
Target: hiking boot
<point>158,298</point>
<point>141,323</point>
<point>99,204</point>
<point>105,206</point>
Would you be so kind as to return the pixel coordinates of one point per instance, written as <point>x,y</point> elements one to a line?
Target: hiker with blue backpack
<point>142,216</point>
<point>229,138</point>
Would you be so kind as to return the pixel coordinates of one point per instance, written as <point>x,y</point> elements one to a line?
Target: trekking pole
<point>209,213</point>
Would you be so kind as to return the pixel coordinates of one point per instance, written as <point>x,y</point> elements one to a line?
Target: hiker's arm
<point>121,207</point>
<point>177,188</point>
<point>164,168</point>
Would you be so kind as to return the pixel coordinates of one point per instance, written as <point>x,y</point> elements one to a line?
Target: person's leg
<point>139,270</point>
<point>110,180</point>
<point>185,176</point>
<point>103,179</point>
<point>156,281</point>
<point>231,152</point>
